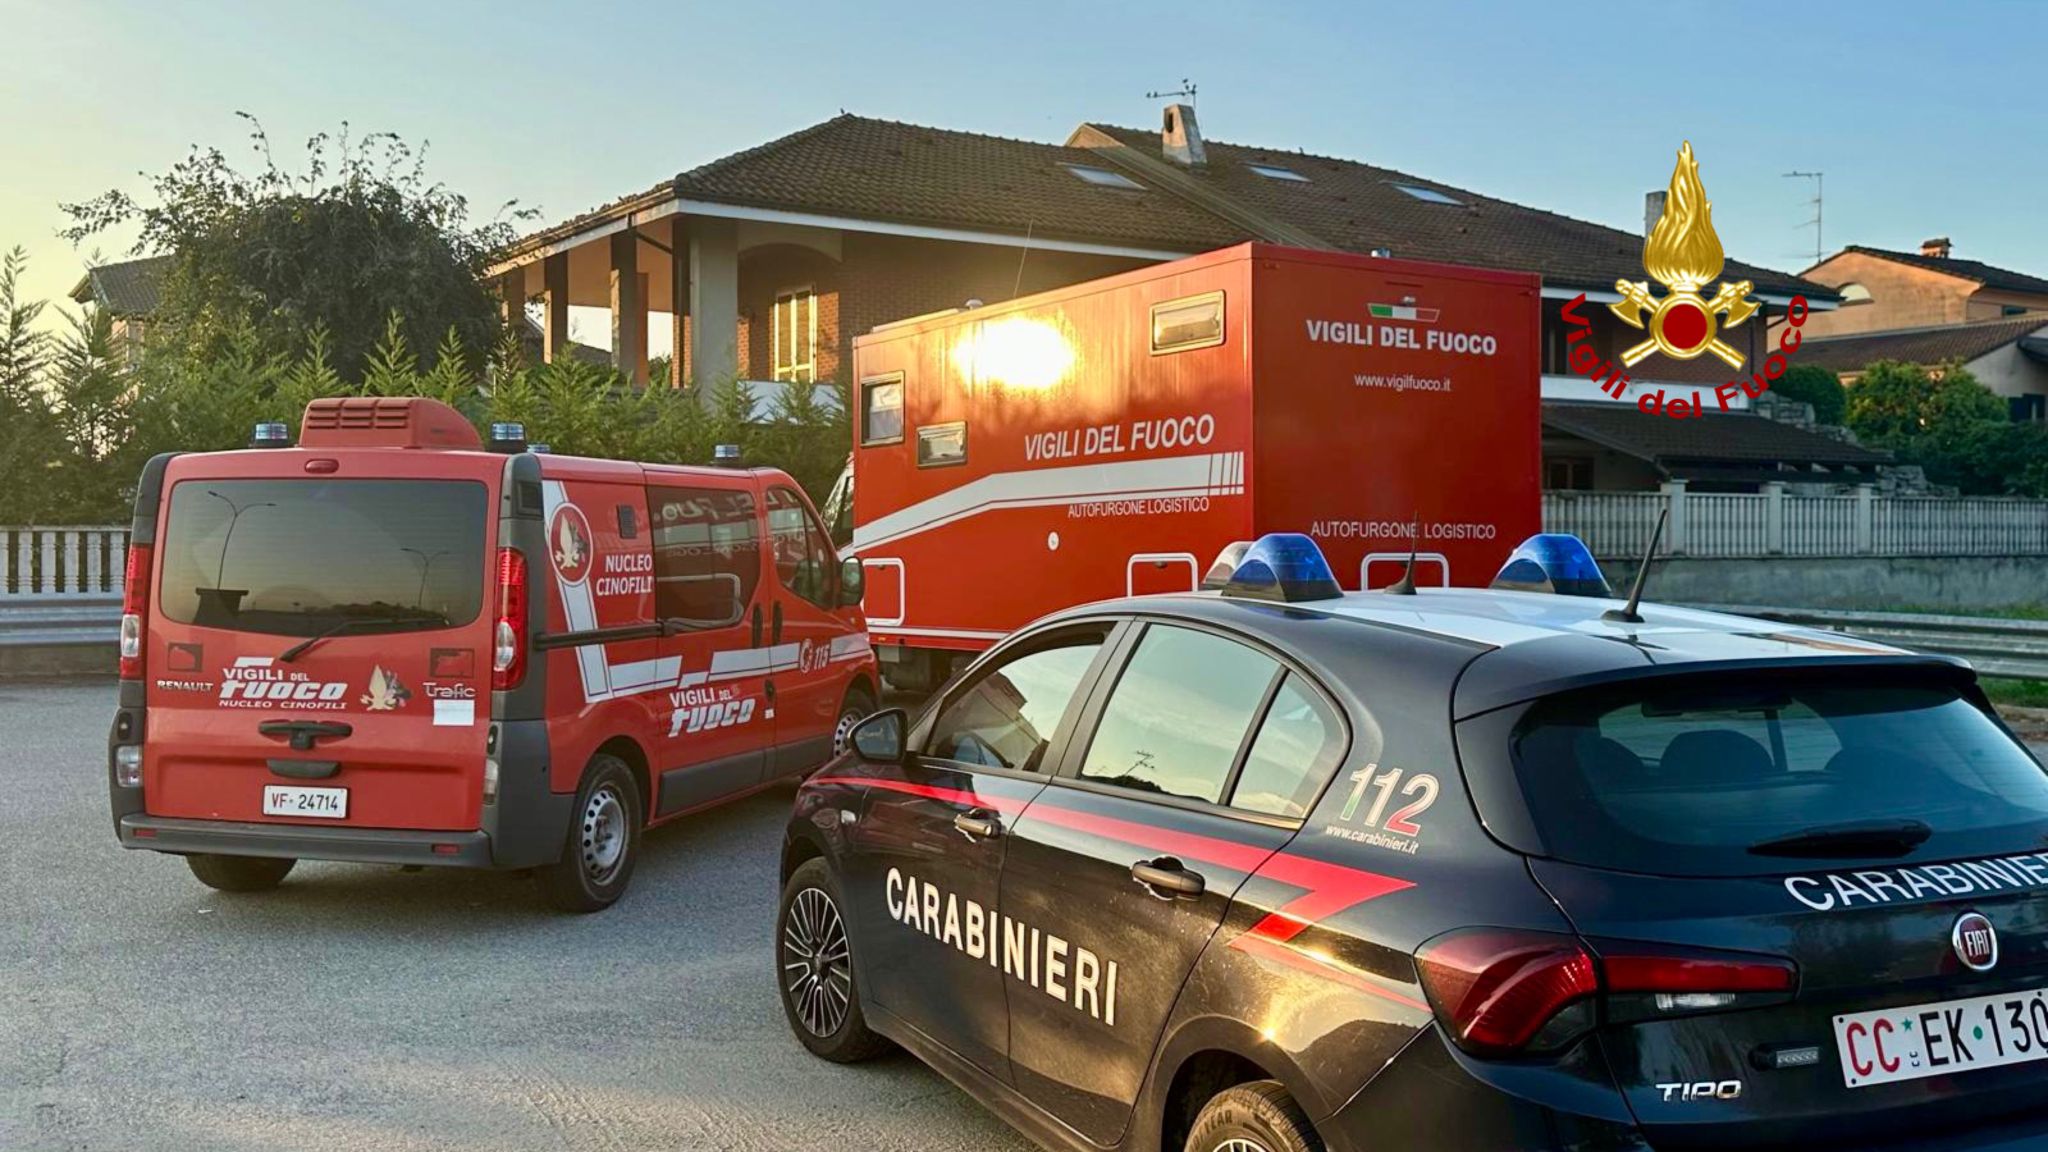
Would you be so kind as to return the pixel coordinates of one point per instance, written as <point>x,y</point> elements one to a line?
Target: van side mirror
<point>853,582</point>
<point>879,738</point>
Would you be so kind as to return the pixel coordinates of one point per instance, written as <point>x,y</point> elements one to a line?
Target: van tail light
<point>509,637</point>
<point>1502,992</point>
<point>134,611</point>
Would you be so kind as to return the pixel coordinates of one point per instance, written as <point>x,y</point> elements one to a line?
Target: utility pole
<point>1819,187</point>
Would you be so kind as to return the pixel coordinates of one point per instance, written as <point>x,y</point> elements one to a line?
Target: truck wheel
<point>1255,1117</point>
<point>858,706</point>
<point>239,873</point>
<point>814,969</point>
<point>602,844</point>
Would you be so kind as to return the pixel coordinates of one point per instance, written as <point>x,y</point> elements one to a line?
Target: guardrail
<point>60,624</point>
<point>1994,646</point>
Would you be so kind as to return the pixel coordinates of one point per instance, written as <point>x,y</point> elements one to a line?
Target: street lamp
<point>426,565</point>
<point>220,574</point>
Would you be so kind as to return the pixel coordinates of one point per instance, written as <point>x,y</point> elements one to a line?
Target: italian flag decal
<point>1402,312</point>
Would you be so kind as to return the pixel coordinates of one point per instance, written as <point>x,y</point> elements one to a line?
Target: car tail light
<point>1501,992</point>
<point>509,637</point>
<point>134,611</point>
<point>1498,991</point>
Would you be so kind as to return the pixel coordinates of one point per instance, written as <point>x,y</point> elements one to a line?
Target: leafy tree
<point>30,435</point>
<point>1816,386</point>
<point>356,236</point>
<point>1951,426</point>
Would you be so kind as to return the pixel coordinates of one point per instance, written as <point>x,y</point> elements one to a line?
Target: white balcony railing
<point>1774,523</point>
<point>57,564</point>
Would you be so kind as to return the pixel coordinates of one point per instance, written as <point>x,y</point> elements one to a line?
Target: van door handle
<point>775,637</point>
<point>1168,875</point>
<point>757,627</point>
<point>978,824</point>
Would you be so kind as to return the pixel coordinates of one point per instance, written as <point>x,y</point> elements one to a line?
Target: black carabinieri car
<point>1281,868</point>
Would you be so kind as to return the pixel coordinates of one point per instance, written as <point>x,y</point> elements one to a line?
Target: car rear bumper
<point>301,842</point>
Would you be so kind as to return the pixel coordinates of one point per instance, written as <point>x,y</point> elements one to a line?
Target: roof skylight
<point>1103,177</point>
<point>1275,172</point>
<point>1428,195</point>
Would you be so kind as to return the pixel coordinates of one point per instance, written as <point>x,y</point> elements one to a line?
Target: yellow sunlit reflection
<point>1014,352</point>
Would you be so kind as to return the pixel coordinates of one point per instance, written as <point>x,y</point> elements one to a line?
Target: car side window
<point>1298,746</point>
<point>803,557</point>
<point>707,552</point>
<point>1179,714</point>
<point>1007,716</point>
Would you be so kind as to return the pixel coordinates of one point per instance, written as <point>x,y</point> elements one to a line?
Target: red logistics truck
<point>1113,437</point>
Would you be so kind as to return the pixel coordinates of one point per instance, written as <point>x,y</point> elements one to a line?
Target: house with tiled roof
<point>2009,356</point>
<point>765,264</point>
<point>1884,290</point>
<point>129,293</point>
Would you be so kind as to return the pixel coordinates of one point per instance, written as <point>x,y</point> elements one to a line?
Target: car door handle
<point>978,824</point>
<point>1168,875</point>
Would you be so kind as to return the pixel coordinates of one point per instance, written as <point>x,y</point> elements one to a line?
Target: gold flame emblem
<point>1683,254</point>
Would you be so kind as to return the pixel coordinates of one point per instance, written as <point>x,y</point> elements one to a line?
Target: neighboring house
<point>129,294</point>
<point>1884,291</point>
<point>2008,356</point>
<point>1611,447</point>
<point>766,263</point>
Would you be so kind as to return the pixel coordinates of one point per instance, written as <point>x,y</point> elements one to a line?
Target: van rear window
<point>298,557</point>
<point>1712,777</point>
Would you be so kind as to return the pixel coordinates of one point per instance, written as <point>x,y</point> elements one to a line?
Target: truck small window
<point>1195,322</point>
<point>881,410</point>
<point>942,444</point>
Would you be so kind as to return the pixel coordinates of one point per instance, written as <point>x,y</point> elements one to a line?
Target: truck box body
<point>1112,437</point>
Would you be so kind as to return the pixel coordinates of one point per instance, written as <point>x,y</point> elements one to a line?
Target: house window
<point>2013,310</point>
<point>1567,473</point>
<point>794,331</point>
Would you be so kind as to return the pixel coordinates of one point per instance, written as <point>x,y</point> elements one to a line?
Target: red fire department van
<point>390,645</point>
<point>1109,439</point>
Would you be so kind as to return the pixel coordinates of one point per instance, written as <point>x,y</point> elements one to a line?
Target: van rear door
<point>319,649</point>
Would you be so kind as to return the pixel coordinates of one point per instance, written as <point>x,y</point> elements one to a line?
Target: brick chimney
<point>1936,248</point>
<point>1179,140</point>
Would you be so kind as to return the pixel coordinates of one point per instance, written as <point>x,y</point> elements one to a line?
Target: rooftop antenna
<point>1187,89</point>
<point>1629,615</point>
<point>1819,187</point>
<point>1405,586</point>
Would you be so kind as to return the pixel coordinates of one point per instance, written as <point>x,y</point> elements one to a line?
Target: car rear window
<point>299,557</point>
<point>1692,776</point>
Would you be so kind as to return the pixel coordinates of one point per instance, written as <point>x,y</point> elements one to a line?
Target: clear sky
<point>1929,119</point>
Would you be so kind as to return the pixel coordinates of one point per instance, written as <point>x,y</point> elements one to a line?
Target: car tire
<point>1255,1117</point>
<point>814,969</point>
<point>239,873</point>
<point>602,844</point>
<point>858,706</point>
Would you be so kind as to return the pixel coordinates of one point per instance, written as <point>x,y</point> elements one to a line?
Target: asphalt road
<point>365,1008</point>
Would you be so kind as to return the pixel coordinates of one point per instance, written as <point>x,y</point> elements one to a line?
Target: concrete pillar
<point>1774,517</point>
<point>714,300</point>
<point>512,301</point>
<point>1866,519</point>
<point>679,299</point>
<point>1674,528</point>
<point>554,274</point>
<point>629,308</point>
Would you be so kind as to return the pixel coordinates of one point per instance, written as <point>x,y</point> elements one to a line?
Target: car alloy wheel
<point>816,974</point>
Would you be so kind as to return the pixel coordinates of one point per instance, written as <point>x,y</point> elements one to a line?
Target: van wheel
<point>239,873</point>
<point>1255,1117</point>
<point>814,969</point>
<point>858,706</point>
<point>603,841</point>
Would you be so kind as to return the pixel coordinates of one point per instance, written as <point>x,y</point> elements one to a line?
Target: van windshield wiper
<point>297,650</point>
<point>1853,838</point>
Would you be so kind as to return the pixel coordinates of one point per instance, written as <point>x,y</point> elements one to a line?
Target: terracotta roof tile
<point>1932,345</point>
<point>2002,279</point>
<point>129,288</point>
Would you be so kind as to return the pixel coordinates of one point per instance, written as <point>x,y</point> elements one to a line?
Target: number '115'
<point>1422,786</point>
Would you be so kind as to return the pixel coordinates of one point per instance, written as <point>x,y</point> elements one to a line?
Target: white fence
<point>1774,523</point>
<point>60,564</point>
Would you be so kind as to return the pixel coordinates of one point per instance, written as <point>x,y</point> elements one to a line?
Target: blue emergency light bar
<point>1285,567</point>
<point>1554,562</point>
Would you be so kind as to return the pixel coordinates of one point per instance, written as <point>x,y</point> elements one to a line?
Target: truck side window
<point>803,557</point>
<point>881,410</point>
<point>1179,714</point>
<point>707,553</point>
<point>1298,746</point>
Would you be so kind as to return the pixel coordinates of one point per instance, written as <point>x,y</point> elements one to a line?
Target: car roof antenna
<point>1405,586</point>
<point>1628,614</point>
